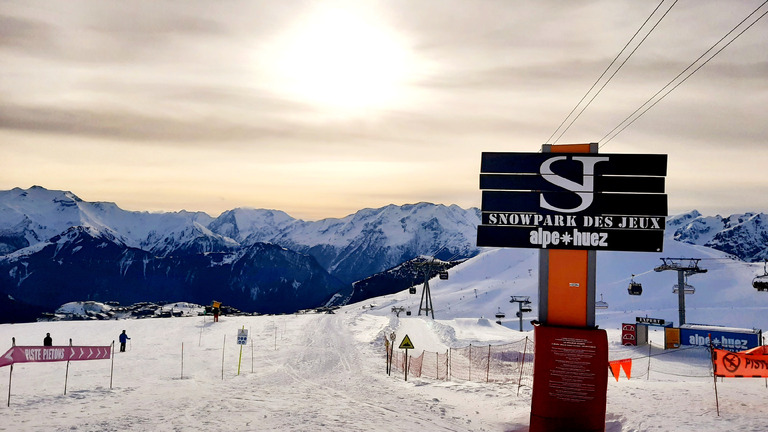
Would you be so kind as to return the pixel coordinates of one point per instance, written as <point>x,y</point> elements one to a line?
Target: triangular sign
<point>406,343</point>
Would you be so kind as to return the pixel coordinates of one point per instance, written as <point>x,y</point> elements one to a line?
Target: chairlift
<point>760,282</point>
<point>526,309</point>
<point>634,288</point>
<point>687,289</point>
<point>500,314</point>
<point>443,275</point>
<point>600,304</point>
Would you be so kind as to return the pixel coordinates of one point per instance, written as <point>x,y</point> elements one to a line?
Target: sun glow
<point>339,59</point>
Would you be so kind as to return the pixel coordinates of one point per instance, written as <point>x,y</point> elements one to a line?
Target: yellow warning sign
<point>406,343</point>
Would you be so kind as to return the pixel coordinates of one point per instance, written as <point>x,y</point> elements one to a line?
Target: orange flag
<point>617,365</point>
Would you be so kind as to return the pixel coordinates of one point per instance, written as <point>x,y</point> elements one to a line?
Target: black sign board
<point>528,182</point>
<point>582,203</point>
<point>573,201</point>
<point>573,164</point>
<point>630,240</point>
<point>646,320</point>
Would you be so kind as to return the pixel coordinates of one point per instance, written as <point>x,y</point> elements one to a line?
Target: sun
<point>338,58</point>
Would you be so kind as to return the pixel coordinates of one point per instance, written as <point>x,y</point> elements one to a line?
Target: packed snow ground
<point>327,371</point>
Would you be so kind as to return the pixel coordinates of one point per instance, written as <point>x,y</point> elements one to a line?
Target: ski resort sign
<point>27,354</point>
<point>573,201</point>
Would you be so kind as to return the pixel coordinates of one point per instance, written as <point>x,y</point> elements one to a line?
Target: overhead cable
<point>606,71</point>
<point>627,120</point>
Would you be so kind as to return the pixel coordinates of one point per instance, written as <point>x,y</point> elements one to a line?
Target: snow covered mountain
<point>41,229</point>
<point>55,248</point>
<point>741,235</point>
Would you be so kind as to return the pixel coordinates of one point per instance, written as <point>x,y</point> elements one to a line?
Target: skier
<point>123,337</point>
<point>47,341</point>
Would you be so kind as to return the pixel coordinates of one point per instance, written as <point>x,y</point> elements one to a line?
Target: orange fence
<point>507,363</point>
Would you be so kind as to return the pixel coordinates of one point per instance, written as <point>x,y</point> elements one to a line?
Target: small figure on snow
<point>47,341</point>
<point>216,310</point>
<point>123,338</point>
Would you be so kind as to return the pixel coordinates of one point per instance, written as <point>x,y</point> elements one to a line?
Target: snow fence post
<point>488,370</point>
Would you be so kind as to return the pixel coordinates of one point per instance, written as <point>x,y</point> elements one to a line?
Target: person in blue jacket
<point>123,338</point>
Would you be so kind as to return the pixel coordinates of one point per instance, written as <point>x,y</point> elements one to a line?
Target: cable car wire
<point>603,74</point>
<point>617,69</point>
<point>603,143</point>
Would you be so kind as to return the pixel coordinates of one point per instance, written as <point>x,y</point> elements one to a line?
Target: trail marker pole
<point>712,362</point>
<point>406,344</point>
<point>10,378</point>
<point>112,367</point>
<point>66,374</point>
<point>222,357</point>
<point>251,355</point>
<point>182,361</point>
<point>242,339</point>
<point>10,375</point>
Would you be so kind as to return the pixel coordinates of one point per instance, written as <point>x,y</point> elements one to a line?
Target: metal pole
<point>406,364</point>
<point>520,308</point>
<point>10,377</point>
<point>251,350</point>
<point>648,373</point>
<point>222,357</point>
<point>66,374</point>
<point>488,370</point>
<point>182,360</point>
<point>112,367</point>
<point>712,363</point>
<point>240,359</point>
<point>681,295</point>
<point>522,364</point>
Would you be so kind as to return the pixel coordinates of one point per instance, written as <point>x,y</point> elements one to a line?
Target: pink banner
<point>26,354</point>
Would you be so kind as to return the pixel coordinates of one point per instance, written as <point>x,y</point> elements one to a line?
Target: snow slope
<point>327,371</point>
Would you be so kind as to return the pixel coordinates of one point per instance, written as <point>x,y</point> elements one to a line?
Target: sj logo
<point>584,190</point>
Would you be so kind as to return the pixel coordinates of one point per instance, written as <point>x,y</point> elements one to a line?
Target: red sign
<point>569,392</point>
<point>26,354</point>
<point>743,364</point>
<point>629,334</point>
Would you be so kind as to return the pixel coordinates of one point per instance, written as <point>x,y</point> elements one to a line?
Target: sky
<point>322,108</point>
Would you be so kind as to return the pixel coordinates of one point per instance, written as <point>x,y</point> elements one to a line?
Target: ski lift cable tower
<point>428,267</point>
<point>684,267</point>
<point>523,304</point>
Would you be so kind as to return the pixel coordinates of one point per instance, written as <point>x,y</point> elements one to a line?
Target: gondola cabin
<point>634,288</point>
<point>412,290</point>
<point>443,275</point>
